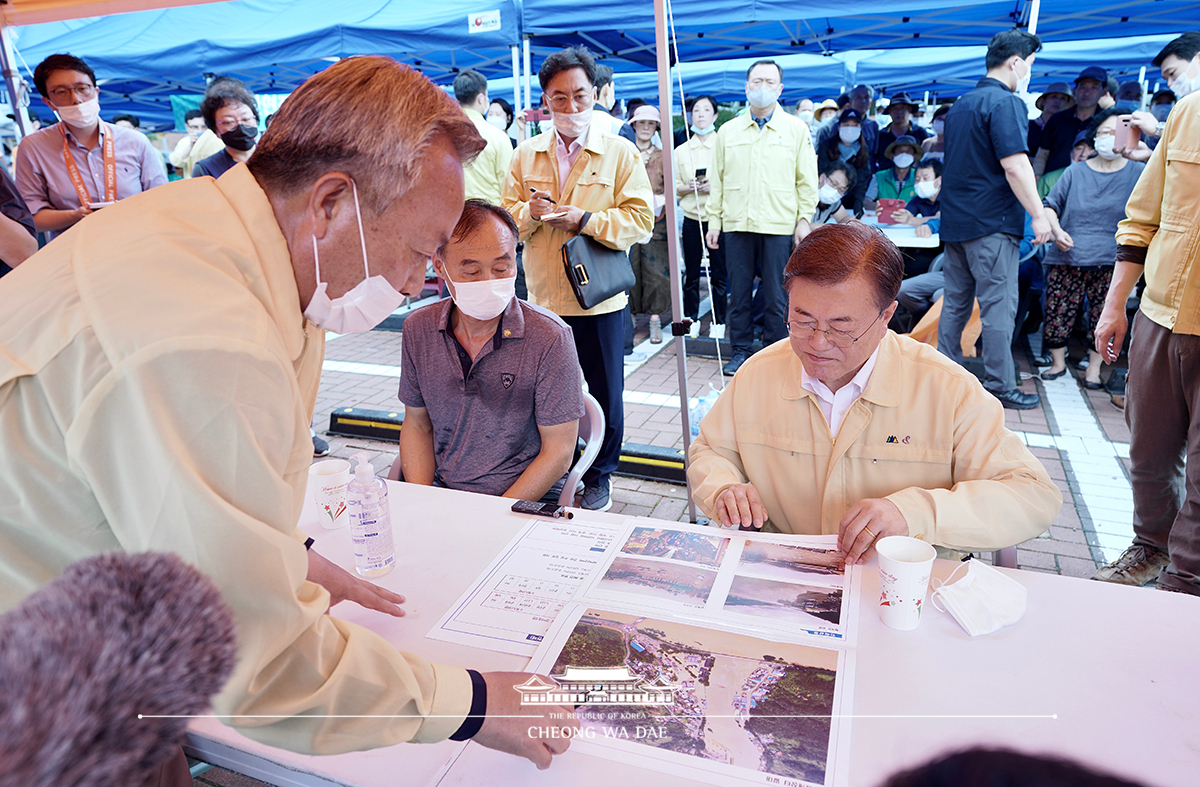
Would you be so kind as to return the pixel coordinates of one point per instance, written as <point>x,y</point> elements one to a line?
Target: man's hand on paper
<point>866,522</point>
<point>344,586</point>
<point>740,506</point>
<point>537,733</point>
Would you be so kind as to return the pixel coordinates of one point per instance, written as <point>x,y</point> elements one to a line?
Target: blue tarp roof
<point>145,56</point>
<point>952,71</point>
<point>717,29</point>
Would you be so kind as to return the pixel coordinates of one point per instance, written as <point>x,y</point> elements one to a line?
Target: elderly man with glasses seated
<point>66,171</point>
<point>847,428</point>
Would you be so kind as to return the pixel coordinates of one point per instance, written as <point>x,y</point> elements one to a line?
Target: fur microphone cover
<point>117,635</point>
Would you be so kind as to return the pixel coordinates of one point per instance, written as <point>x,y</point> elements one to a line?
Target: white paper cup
<point>904,567</point>
<point>330,479</point>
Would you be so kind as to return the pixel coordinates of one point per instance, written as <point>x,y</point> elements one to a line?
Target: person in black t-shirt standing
<point>1058,137</point>
<point>987,187</point>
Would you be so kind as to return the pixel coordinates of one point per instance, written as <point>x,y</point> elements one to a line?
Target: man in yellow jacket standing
<point>579,179</point>
<point>1159,238</point>
<point>848,428</point>
<point>763,189</point>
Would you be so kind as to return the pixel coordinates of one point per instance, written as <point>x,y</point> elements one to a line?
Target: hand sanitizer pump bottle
<point>370,521</point>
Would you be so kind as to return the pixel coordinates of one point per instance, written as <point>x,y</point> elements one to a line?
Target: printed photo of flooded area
<point>676,545</point>
<point>789,602</point>
<point>658,580</point>
<point>734,701</point>
<point>793,563</point>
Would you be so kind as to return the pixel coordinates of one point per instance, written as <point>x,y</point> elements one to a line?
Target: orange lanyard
<point>110,168</point>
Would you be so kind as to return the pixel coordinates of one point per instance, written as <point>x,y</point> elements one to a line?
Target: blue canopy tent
<point>142,57</point>
<point>715,29</point>
<point>952,71</point>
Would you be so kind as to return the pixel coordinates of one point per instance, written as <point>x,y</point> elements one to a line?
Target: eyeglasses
<point>61,94</point>
<point>229,124</point>
<point>841,339</point>
<point>560,102</point>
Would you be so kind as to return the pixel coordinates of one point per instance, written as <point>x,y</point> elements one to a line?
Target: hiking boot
<point>1136,566</point>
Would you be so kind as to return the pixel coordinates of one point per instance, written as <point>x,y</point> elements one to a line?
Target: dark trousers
<point>693,251</point>
<point>744,252</point>
<point>984,269</point>
<point>600,343</point>
<point>1162,408</point>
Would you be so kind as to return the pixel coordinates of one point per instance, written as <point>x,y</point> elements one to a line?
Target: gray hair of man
<point>370,117</point>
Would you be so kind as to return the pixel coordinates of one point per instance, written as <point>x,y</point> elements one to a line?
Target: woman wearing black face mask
<point>231,112</point>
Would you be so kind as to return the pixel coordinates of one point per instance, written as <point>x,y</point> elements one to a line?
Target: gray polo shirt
<point>486,413</point>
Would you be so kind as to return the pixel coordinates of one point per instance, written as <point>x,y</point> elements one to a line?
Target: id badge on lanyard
<point>110,169</point>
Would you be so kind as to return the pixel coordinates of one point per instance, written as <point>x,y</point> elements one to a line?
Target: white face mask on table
<point>366,305</point>
<point>983,601</point>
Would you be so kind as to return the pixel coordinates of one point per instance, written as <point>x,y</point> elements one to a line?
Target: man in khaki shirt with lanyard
<point>70,169</point>
<point>847,428</point>
<point>158,370</point>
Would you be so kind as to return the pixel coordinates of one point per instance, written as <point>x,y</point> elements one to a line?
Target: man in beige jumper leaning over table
<point>159,363</point>
<point>847,428</point>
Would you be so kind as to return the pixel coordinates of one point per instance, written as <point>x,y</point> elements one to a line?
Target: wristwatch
<point>1158,130</point>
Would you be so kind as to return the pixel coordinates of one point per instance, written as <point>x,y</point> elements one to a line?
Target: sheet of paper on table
<point>781,586</point>
<point>698,702</point>
<point>512,604</point>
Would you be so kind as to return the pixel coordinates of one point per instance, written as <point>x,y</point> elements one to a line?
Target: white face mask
<point>828,195</point>
<point>1023,82</point>
<point>806,115</point>
<point>574,125</point>
<point>849,134</point>
<point>363,307</point>
<point>939,127</point>
<point>80,116</point>
<point>498,122</point>
<point>483,300</point>
<point>1188,82</point>
<point>925,189</point>
<point>903,160</point>
<point>1104,147</point>
<point>761,98</point>
<point>983,601</point>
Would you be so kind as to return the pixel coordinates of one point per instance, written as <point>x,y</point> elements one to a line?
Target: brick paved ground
<point>1078,435</point>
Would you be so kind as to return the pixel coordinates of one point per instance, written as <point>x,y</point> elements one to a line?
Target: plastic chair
<point>937,263</point>
<point>591,432</point>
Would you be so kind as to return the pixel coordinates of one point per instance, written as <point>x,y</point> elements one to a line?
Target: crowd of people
<point>160,360</point>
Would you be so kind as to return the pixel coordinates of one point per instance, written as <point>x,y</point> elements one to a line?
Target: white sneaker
<point>716,331</point>
<point>655,329</point>
<point>694,330</point>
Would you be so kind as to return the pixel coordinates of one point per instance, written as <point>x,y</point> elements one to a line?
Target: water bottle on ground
<point>370,520</point>
<point>701,408</point>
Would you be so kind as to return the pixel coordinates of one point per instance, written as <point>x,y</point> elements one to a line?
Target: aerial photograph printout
<point>736,707</point>
<point>782,586</point>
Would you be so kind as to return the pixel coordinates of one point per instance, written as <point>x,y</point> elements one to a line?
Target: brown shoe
<point>1136,566</point>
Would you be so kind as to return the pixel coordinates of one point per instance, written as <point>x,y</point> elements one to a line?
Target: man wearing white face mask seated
<point>66,171</point>
<point>491,385</point>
